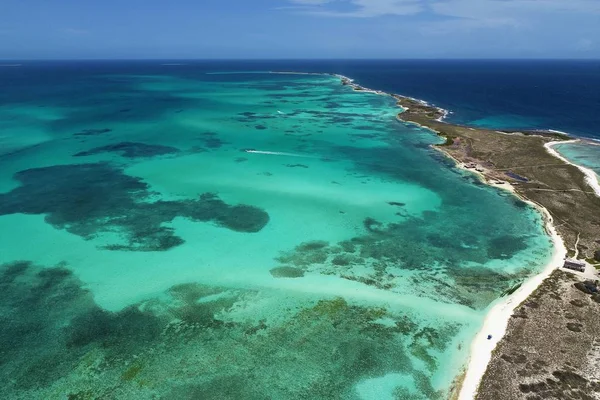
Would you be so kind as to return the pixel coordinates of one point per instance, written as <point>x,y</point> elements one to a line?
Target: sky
<point>283,29</point>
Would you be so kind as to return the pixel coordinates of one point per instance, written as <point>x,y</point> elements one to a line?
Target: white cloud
<point>468,15</point>
<point>311,2</point>
<point>496,8</point>
<point>448,26</point>
<point>492,10</point>
<point>359,8</point>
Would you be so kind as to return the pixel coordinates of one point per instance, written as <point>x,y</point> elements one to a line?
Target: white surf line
<point>496,320</point>
<point>364,89</point>
<point>237,72</point>
<point>298,73</point>
<point>590,176</point>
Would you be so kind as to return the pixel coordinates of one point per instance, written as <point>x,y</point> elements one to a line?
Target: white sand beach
<point>591,177</point>
<point>497,319</point>
<point>496,322</point>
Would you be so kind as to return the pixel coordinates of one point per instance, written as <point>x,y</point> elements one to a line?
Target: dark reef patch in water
<point>518,202</point>
<point>131,150</point>
<point>90,199</point>
<point>210,140</point>
<point>130,328</point>
<point>375,257</point>
<point>219,388</point>
<point>366,135</point>
<point>92,132</point>
<point>396,203</point>
<point>181,344</point>
<point>314,245</point>
<point>50,323</point>
<point>296,165</point>
<point>504,247</point>
<point>36,303</point>
<point>373,225</point>
<point>253,118</point>
<point>372,128</point>
<point>287,272</point>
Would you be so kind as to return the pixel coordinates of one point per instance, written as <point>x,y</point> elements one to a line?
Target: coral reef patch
<point>186,344</point>
<point>91,199</point>
<point>387,250</point>
<point>211,140</point>
<point>287,272</point>
<point>92,132</point>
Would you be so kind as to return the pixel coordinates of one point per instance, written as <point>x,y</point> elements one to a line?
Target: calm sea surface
<point>199,231</point>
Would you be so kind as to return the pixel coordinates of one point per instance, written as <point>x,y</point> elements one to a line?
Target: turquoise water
<point>586,154</point>
<point>242,236</point>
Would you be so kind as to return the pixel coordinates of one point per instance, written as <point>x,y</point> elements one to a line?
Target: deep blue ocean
<point>526,94</point>
<point>560,95</point>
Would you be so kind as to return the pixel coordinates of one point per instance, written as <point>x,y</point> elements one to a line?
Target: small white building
<point>575,265</point>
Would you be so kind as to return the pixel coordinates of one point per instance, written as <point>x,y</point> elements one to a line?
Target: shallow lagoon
<point>586,154</point>
<point>175,235</point>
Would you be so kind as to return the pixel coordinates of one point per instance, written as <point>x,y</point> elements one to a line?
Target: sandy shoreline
<point>590,176</point>
<point>497,319</point>
<point>498,316</point>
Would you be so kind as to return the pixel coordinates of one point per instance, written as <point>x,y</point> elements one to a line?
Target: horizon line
<point>300,59</point>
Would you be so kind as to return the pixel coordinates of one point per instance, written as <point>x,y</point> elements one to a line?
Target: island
<point>550,342</point>
<point>551,346</point>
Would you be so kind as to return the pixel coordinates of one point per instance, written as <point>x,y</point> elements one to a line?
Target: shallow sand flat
<point>342,243</point>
